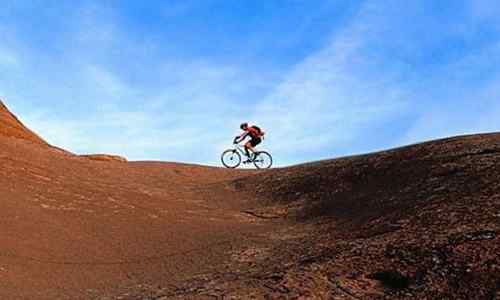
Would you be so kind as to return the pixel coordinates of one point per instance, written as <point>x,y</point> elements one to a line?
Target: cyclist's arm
<point>241,137</point>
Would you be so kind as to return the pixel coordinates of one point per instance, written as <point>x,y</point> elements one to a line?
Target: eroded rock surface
<point>105,157</point>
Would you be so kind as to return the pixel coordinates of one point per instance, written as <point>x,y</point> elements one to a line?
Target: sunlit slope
<point>10,126</point>
<point>73,227</point>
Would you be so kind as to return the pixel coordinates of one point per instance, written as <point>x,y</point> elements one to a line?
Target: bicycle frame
<point>241,149</point>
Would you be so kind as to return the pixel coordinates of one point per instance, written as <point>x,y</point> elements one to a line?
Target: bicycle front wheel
<point>263,160</point>
<point>231,158</point>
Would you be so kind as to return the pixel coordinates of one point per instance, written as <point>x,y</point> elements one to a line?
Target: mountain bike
<point>231,158</point>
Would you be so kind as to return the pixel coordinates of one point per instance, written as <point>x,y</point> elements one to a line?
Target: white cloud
<point>334,96</point>
<point>464,99</point>
<point>191,118</point>
<point>330,97</point>
<point>192,110</point>
<point>476,111</point>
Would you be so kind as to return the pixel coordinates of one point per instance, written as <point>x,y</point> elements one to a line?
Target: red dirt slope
<point>73,228</point>
<point>419,222</point>
<point>76,228</point>
<point>10,126</point>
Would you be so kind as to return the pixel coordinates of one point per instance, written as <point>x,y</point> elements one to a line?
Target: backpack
<point>259,131</point>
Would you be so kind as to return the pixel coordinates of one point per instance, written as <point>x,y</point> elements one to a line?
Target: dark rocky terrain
<point>418,222</point>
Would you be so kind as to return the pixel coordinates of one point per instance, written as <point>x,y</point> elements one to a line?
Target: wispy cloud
<point>472,108</point>
<point>461,97</point>
<point>372,76</point>
<point>105,82</point>
<point>333,95</point>
<point>392,73</point>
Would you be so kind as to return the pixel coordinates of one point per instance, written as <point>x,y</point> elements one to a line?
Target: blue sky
<point>172,80</point>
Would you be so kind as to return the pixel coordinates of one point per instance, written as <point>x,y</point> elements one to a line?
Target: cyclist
<point>256,135</point>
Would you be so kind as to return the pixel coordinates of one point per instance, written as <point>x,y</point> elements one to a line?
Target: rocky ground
<point>419,222</point>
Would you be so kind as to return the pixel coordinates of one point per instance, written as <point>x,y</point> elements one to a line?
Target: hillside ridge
<point>11,126</point>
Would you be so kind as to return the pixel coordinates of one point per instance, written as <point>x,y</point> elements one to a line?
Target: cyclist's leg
<point>248,146</point>
<point>252,144</point>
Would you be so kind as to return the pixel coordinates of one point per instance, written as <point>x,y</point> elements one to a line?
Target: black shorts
<point>255,141</point>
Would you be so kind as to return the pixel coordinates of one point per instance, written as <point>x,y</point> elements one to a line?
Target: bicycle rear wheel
<point>231,158</point>
<point>263,160</point>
